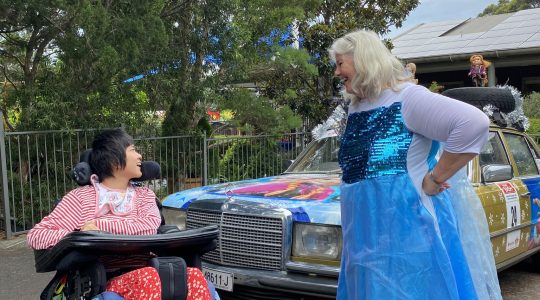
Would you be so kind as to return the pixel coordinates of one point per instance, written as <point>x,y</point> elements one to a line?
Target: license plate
<point>221,280</point>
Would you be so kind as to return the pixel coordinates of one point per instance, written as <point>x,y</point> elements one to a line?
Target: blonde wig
<point>376,67</point>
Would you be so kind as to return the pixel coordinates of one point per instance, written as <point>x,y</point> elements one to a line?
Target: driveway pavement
<point>19,280</point>
<point>18,277</point>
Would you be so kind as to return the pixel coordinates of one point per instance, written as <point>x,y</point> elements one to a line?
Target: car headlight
<point>318,241</point>
<point>174,216</point>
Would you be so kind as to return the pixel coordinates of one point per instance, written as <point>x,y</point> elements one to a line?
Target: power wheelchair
<point>85,260</point>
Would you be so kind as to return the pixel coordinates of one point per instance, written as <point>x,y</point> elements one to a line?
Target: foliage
<point>67,63</point>
<point>257,27</point>
<point>508,6</point>
<point>531,105</point>
<point>328,20</point>
<point>157,65</point>
<point>435,87</point>
<point>243,38</point>
<point>211,44</point>
<point>27,29</point>
<point>534,127</point>
<point>75,56</point>
<point>263,160</point>
<point>258,113</point>
<point>204,126</point>
<point>38,168</point>
<point>289,78</point>
<point>32,199</point>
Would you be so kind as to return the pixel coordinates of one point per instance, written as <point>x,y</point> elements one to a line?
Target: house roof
<point>517,33</point>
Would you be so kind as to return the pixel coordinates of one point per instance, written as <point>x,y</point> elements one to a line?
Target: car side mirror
<point>496,172</point>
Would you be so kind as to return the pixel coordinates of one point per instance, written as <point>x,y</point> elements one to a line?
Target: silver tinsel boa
<point>335,124</point>
<point>515,118</point>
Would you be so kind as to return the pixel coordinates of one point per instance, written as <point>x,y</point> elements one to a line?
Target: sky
<point>442,10</point>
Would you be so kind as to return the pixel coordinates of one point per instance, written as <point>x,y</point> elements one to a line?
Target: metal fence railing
<point>245,157</point>
<point>36,166</point>
<point>35,169</point>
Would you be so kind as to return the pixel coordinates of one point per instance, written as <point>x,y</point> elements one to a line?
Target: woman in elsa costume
<point>413,228</point>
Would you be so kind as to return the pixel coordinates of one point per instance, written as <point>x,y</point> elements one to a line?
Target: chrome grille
<point>245,240</point>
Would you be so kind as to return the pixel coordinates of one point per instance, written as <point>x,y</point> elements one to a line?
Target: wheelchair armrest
<point>168,229</point>
<point>193,242</point>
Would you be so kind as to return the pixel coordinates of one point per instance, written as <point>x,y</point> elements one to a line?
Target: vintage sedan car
<point>281,236</point>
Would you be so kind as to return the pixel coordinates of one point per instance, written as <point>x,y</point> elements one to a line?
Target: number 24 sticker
<point>513,211</point>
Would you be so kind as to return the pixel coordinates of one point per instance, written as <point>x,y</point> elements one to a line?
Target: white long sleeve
<point>462,127</point>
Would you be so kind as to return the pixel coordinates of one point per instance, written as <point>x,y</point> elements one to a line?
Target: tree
<point>331,19</point>
<point>111,42</point>
<point>213,44</point>
<point>303,79</point>
<point>65,63</point>
<point>74,57</point>
<point>27,29</point>
<point>289,79</point>
<point>508,6</point>
<point>258,113</point>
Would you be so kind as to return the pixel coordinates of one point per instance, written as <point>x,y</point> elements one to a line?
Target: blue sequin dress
<point>398,244</point>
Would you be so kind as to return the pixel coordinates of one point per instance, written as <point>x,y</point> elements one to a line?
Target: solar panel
<point>501,32</point>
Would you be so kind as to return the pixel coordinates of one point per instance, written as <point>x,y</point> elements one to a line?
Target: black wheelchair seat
<point>81,255</point>
<point>88,252</point>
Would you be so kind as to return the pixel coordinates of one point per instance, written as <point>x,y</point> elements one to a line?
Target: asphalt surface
<point>19,280</point>
<point>18,277</point>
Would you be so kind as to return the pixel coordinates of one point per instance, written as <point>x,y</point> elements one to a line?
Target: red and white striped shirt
<point>80,205</point>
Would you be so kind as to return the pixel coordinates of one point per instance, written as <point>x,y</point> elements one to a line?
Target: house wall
<point>524,78</point>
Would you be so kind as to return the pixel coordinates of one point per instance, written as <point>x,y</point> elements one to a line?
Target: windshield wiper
<point>336,171</point>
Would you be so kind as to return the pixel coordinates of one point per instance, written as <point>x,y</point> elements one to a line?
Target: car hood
<point>309,197</point>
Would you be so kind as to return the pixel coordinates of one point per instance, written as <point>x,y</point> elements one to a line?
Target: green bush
<point>248,159</point>
<point>435,87</point>
<point>531,105</point>
<point>33,196</point>
<point>534,127</point>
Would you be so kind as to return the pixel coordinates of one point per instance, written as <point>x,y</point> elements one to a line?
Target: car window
<point>493,152</point>
<point>535,154</point>
<point>320,156</point>
<point>522,154</point>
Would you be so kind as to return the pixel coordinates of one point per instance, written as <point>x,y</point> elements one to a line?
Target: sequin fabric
<point>375,143</point>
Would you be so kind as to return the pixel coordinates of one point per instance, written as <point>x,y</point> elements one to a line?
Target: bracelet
<point>433,178</point>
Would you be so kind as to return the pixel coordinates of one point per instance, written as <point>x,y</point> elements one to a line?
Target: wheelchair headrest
<point>82,171</point>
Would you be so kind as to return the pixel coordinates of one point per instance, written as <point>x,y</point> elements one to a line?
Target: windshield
<point>319,156</point>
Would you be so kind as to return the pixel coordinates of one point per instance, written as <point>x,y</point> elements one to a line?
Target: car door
<point>525,157</point>
<point>505,199</point>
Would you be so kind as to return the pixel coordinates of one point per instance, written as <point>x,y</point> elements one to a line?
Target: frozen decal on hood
<point>317,189</point>
<point>310,198</point>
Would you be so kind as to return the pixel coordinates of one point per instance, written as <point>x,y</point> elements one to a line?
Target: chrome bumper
<point>285,282</point>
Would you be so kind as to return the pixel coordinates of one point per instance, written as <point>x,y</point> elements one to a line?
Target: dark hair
<point>109,151</point>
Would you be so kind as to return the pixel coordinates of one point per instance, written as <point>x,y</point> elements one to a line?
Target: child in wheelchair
<point>112,204</point>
